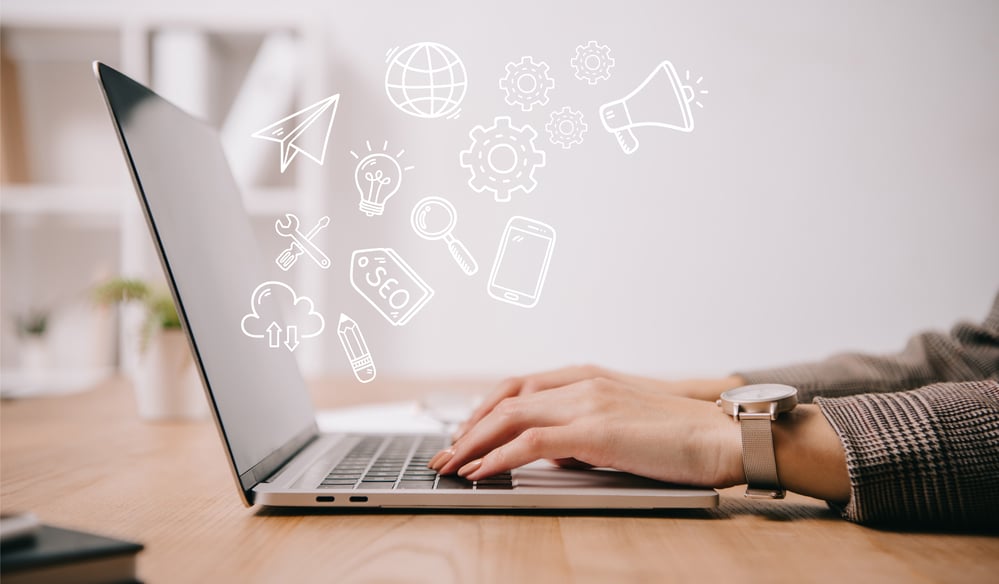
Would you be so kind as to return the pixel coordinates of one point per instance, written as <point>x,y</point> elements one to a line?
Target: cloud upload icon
<point>281,316</point>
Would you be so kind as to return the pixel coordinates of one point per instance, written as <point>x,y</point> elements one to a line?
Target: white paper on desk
<point>396,417</point>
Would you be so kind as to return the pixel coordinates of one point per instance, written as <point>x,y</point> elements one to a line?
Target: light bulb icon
<point>663,100</point>
<point>377,177</point>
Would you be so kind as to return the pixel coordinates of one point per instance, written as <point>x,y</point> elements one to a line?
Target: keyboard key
<point>495,480</point>
<point>376,485</point>
<point>416,484</point>
<point>453,483</point>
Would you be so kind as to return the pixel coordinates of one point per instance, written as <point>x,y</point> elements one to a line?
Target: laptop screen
<point>211,258</point>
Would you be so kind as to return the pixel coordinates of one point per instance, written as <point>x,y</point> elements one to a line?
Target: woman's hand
<point>601,422</point>
<point>607,422</point>
<point>706,389</point>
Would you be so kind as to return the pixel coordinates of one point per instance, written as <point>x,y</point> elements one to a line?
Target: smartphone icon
<point>522,262</point>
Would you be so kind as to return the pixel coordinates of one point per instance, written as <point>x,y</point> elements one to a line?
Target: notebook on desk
<point>259,400</point>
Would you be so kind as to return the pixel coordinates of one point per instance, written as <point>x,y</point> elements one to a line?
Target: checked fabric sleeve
<point>926,457</point>
<point>920,428</point>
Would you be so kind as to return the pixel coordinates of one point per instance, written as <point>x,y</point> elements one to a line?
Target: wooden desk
<point>86,461</point>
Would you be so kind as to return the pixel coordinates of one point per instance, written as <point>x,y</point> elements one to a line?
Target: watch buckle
<point>752,493</point>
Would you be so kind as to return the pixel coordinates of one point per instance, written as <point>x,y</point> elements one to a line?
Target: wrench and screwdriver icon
<point>300,244</point>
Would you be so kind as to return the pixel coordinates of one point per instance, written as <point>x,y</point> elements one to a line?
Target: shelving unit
<point>81,186</point>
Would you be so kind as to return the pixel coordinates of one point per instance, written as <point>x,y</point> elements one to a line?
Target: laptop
<point>258,397</point>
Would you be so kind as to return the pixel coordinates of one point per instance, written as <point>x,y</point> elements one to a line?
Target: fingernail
<point>470,467</point>
<point>441,458</point>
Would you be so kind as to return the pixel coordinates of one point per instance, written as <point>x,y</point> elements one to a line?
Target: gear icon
<point>527,83</point>
<point>592,62</point>
<point>502,159</point>
<point>566,127</point>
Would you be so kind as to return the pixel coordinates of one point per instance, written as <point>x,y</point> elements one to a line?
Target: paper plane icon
<point>306,131</point>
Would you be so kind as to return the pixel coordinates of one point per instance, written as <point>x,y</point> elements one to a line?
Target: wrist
<point>810,456</point>
<point>731,472</point>
<point>755,408</point>
<point>706,389</point>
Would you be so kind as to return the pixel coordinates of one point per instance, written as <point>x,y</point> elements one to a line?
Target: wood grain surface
<point>86,461</point>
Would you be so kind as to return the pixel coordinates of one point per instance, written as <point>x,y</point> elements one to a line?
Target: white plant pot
<point>167,384</point>
<point>34,354</point>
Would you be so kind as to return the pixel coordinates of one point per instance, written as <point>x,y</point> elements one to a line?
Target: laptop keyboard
<point>400,462</point>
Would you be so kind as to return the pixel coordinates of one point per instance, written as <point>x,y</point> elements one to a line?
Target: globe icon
<point>426,80</point>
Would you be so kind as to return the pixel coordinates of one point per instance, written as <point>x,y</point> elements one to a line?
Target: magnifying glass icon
<point>434,218</point>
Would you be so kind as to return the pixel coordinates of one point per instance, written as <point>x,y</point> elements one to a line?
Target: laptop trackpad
<point>545,475</point>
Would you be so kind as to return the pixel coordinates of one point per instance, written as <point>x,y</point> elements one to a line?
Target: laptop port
<point>358,499</point>
<point>325,499</point>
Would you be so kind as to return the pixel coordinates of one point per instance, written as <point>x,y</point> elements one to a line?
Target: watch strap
<point>758,459</point>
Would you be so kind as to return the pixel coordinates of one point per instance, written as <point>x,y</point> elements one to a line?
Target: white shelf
<point>33,199</point>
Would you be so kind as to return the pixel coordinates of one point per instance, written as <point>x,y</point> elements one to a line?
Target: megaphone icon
<point>662,100</point>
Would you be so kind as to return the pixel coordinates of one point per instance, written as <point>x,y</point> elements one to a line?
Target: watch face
<point>764,392</point>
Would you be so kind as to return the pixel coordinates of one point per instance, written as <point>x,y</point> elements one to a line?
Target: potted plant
<point>167,384</point>
<point>34,351</point>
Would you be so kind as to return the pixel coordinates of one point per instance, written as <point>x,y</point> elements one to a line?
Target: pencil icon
<point>356,349</point>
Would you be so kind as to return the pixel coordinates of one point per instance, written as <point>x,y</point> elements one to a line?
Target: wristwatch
<point>756,407</point>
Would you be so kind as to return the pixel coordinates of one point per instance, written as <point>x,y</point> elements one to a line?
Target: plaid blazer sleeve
<point>920,428</point>
<point>926,457</point>
<point>969,352</point>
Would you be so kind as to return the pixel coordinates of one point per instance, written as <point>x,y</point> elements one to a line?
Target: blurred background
<point>839,190</point>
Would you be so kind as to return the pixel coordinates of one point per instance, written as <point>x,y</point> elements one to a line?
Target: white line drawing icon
<point>300,243</point>
<point>526,83</point>
<point>377,177</point>
<point>653,103</point>
<point>426,80</point>
<point>566,127</point>
<point>502,159</point>
<point>521,264</point>
<point>434,218</point>
<point>306,131</point>
<point>592,62</point>
<point>386,281</point>
<point>268,317</point>
<point>356,349</point>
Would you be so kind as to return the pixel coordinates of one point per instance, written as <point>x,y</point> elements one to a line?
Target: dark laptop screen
<point>197,217</point>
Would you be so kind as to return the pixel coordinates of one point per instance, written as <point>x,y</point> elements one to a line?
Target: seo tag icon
<point>386,281</point>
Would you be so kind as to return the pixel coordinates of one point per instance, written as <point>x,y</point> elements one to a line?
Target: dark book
<point>54,555</point>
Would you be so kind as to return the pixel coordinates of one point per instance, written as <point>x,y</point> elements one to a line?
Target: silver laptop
<point>260,402</point>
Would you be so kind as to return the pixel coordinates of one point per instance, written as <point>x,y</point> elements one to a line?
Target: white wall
<point>840,189</point>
